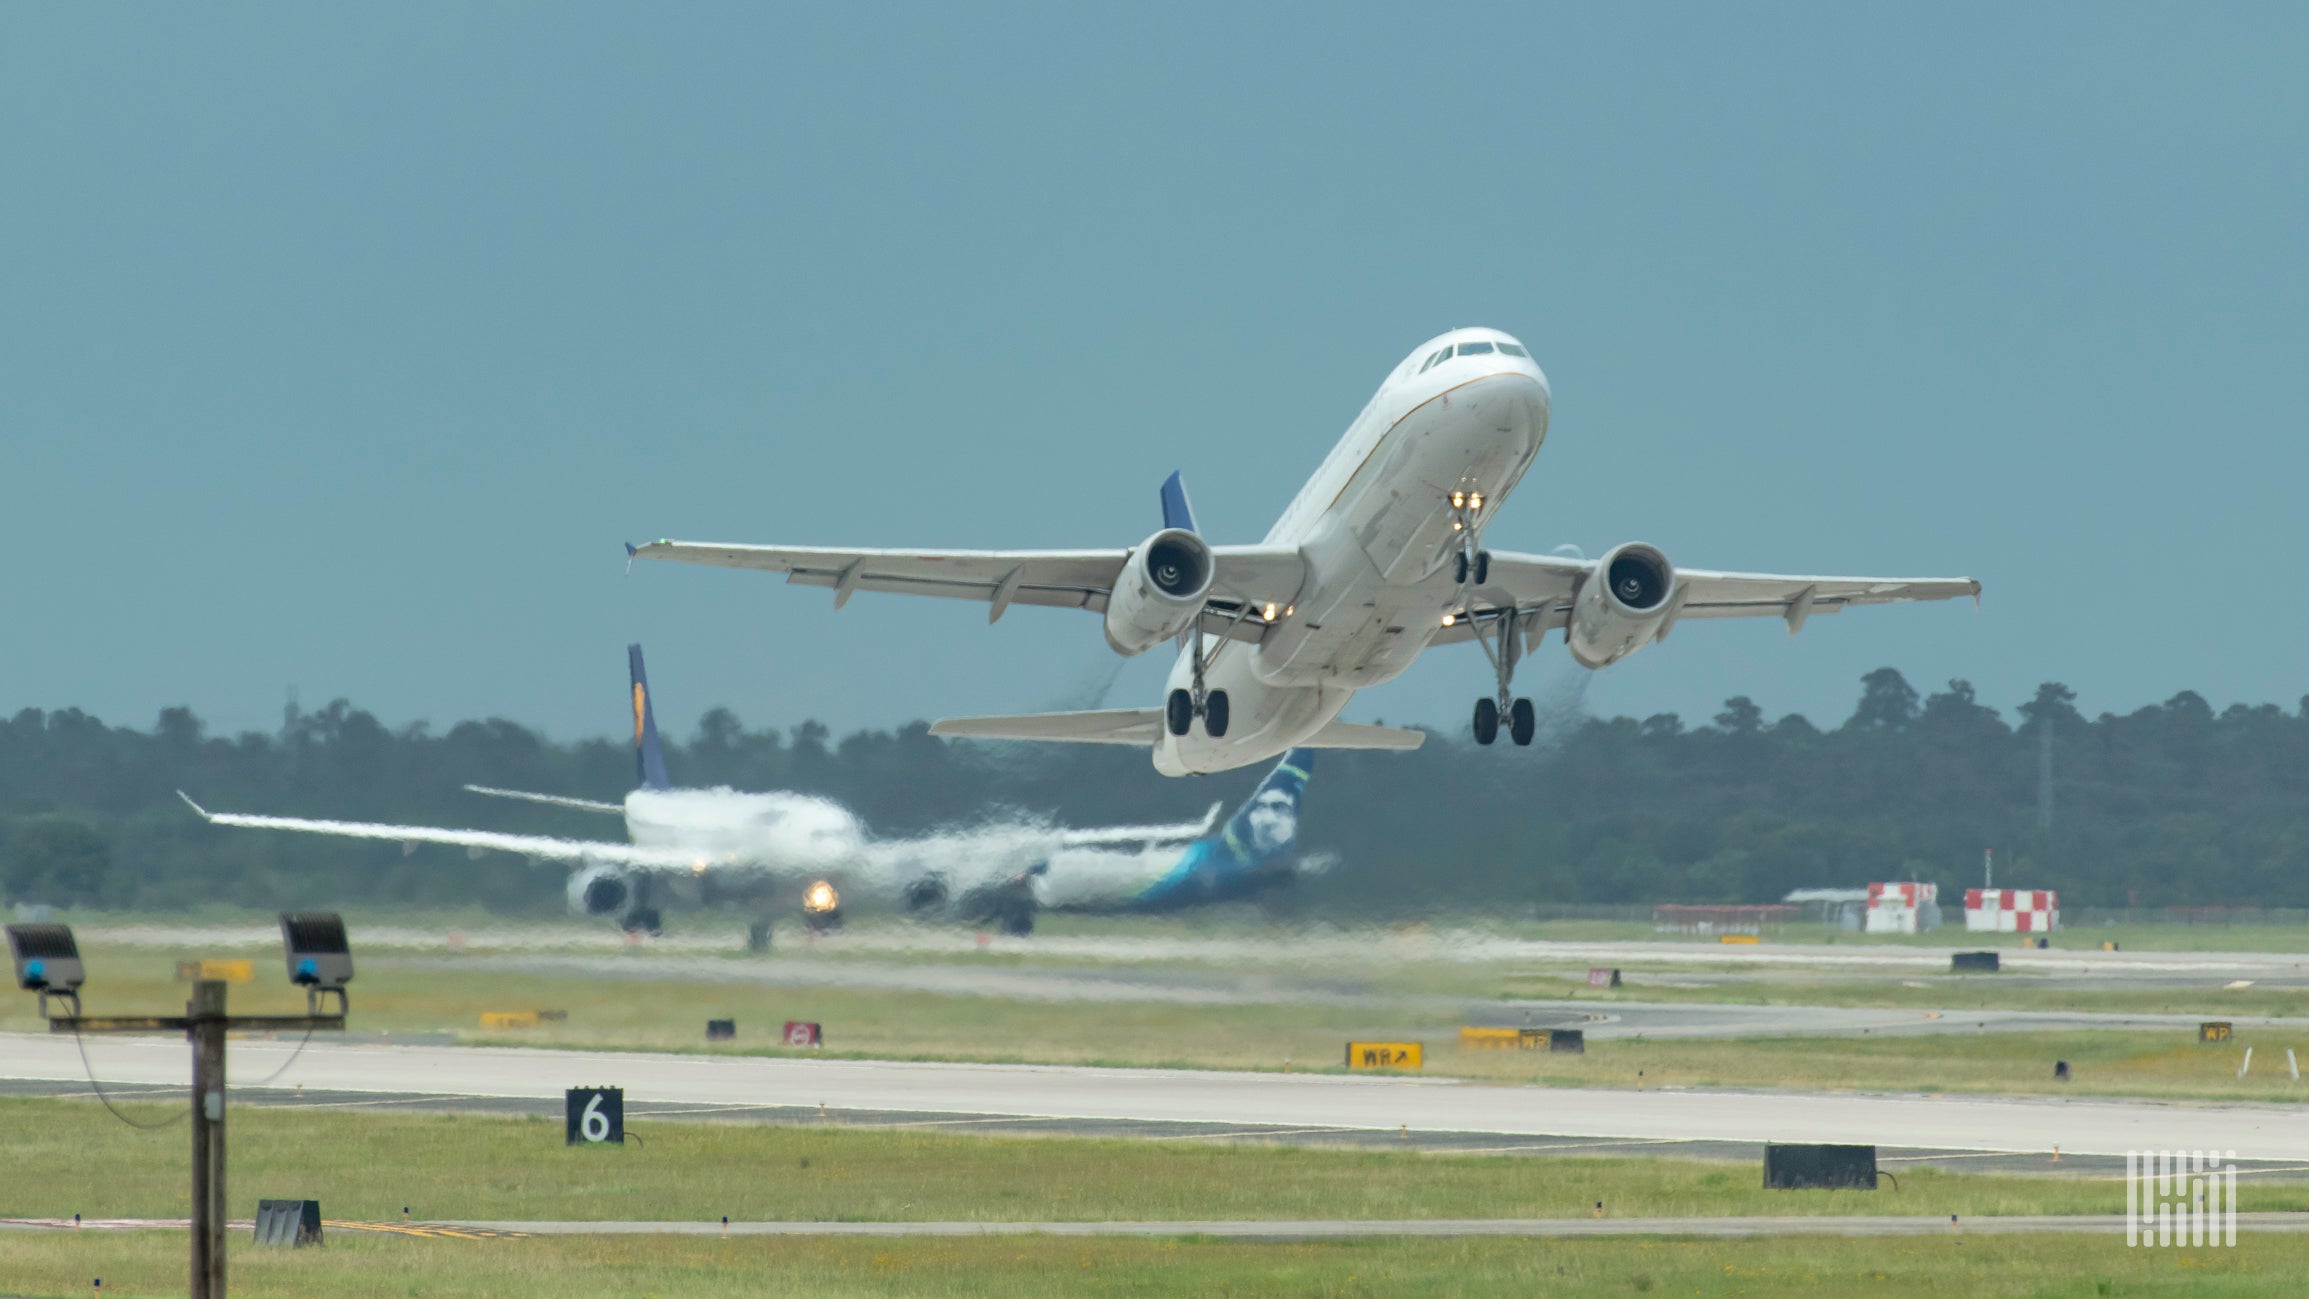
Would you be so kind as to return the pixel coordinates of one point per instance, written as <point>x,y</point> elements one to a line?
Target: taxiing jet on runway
<point>709,846</point>
<point>1380,556</point>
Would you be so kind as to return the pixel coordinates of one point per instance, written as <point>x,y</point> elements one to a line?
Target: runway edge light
<point>47,962</point>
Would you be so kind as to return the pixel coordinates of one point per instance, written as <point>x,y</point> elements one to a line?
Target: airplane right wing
<point>1538,590</point>
<point>542,847</point>
<point>1246,578</point>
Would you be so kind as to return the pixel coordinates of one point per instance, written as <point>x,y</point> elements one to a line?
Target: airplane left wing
<point>1141,833</point>
<point>1539,589</point>
<point>1246,578</point>
<point>542,847</point>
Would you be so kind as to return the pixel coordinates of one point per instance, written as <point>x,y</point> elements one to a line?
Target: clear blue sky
<point>341,346</point>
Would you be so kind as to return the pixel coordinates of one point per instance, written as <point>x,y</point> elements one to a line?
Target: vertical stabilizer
<point>648,757</point>
<point>1266,826</point>
<point>1177,513</point>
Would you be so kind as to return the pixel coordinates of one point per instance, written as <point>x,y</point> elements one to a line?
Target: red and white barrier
<point>2011,911</point>
<point>1902,908</point>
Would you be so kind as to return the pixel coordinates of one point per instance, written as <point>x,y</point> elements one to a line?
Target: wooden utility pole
<point>205,1024</point>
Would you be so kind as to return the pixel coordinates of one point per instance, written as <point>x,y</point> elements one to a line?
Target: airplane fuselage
<point>1379,532</point>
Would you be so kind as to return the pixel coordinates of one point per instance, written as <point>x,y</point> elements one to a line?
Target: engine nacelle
<point>1621,607</point>
<point>1161,591</point>
<point>600,891</point>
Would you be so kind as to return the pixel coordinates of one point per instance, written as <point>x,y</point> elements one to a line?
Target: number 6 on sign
<point>596,1115</point>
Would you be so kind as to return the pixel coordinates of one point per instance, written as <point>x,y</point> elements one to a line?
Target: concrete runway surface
<point>2093,1126</point>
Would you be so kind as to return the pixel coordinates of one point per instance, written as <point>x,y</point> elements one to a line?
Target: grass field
<point>2057,1267</point>
<point>366,1166</point>
<point>369,1166</point>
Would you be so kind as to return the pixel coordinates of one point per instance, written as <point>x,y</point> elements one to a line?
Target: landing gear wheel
<point>1486,721</point>
<point>1215,715</point>
<point>1522,722</point>
<point>644,920</point>
<point>1459,568</point>
<point>1482,567</point>
<point>758,937</point>
<point>1179,712</point>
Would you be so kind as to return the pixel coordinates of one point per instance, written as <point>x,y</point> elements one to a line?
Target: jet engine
<point>600,890</point>
<point>1621,607</point>
<point>1161,591</point>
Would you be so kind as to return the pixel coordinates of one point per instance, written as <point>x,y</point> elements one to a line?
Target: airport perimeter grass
<point>153,1263</point>
<point>363,1165</point>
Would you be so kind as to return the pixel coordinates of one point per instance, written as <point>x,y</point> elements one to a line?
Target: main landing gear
<point>1522,721</point>
<point>1185,705</point>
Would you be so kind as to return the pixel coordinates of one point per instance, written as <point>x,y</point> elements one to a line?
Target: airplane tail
<point>1266,826</point>
<point>648,756</point>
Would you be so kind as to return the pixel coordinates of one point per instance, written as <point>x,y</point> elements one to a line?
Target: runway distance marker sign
<point>595,1116</point>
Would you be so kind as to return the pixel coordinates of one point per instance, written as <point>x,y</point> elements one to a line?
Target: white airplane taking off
<point>1378,557</point>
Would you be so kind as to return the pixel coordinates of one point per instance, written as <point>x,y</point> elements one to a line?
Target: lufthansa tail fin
<point>648,757</point>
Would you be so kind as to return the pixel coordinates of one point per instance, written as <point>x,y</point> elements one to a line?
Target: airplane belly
<point>1262,720</point>
<point>1478,438</point>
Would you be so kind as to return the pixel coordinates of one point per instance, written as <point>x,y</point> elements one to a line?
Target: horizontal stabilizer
<point>1104,726</point>
<point>1144,726</point>
<point>1355,735</point>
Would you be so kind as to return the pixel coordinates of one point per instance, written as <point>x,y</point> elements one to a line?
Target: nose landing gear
<point>1472,560</point>
<point>1522,720</point>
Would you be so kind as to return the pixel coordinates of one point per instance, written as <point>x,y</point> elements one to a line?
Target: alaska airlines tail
<point>648,758</point>
<point>1266,826</point>
<point>1250,853</point>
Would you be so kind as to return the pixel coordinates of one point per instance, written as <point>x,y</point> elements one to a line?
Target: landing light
<point>1456,525</point>
<point>821,897</point>
<point>1475,501</point>
<point>1458,499</point>
<point>1270,613</point>
<point>1450,618</point>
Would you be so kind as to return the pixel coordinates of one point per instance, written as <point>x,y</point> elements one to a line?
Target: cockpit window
<point>1474,349</point>
<point>1515,349</point>
<point>1434,360</point>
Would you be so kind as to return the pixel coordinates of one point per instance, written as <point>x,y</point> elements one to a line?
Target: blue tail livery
<point>648,757</point>
<point>1176,512</point>
<point>1253,849</point>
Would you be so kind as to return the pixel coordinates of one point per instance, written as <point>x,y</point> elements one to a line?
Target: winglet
<point>204,814</point>
<point>1176,512</point>
<point>630,550</point>
<point>648,757</point>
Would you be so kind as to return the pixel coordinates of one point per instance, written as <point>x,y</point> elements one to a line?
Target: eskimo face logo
<point>1274,822</point>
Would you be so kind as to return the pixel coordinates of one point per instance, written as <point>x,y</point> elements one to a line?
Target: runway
<point>2094,1126</point>
<point>1725,1228</point>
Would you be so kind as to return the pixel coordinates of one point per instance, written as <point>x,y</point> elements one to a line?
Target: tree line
<point>2171,804</point>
